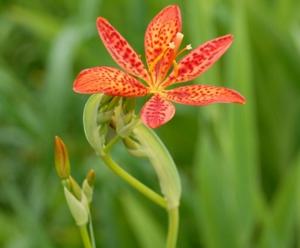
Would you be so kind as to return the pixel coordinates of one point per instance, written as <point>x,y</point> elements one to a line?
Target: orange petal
<point>157,111</point>
<point>160,32</point>
<point>199,60</point>
<point>109,81</point>
<point>120,50</point>
<point>203,94</point>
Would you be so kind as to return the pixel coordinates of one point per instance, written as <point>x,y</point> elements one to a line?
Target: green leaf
<point>281,221</point>
<point>143,224</point>
<point>162,163</point>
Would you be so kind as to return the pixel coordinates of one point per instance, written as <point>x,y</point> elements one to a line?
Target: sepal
<point>88,186</point>
<point>143,141</point>
<point>124,117</point>
<point>78,207</point>
<point>97,115</point>
<point>134,147</point>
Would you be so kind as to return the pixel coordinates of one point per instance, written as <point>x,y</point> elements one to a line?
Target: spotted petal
<point>120,50</point>
<point>203,94</point>
<point>157,111</point>
<point>199,60</point>
<point>109,81</point>
<point>160,32</point>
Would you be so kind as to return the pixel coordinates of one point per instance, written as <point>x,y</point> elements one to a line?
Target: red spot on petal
<point>157,111</point>
<point>108,80</point>
<point>204,94</point>
<point>120,49</point>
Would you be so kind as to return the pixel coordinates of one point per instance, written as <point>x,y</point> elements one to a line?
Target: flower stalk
<point>78,197</point>
<point>173,227</point>
<point>140,141</point>
<point>132,181</point>
<point>85,237</point>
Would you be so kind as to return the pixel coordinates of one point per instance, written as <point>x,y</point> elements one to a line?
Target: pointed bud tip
<point>91,177</point>
<point>75,188</point>
<point>61,158</point>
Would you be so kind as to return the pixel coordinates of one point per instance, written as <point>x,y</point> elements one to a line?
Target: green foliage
<point>240,165</point>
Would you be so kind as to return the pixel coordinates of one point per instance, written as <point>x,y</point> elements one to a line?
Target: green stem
<point>159,200</point>
<point>111,143</point>
<point>91,229</point>
<point>173,227</point>
<point>85,237</point>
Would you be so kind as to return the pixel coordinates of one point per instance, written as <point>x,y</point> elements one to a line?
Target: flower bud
<point>125,119</point>
<point>75,188</point>
<point>88,185</point>
<point>97,116</point>
<point>134,147</point>
<point>78,208</point>
<point>61,158</point>
<point>90,177</point>
<point>87,190</point>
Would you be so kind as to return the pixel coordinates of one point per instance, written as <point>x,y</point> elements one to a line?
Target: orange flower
<point>162,42</point>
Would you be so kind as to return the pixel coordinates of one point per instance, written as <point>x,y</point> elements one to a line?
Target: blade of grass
<point>148,233</point>
<point>280,227</point>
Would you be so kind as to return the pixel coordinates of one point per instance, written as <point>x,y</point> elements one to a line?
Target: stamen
<point>175,71</point>
<point>179,36</point>
<point>175,65</point>
<point>177,41</point>
<point>189,47</point>
<point>157,59</point>
<point>172,45</point>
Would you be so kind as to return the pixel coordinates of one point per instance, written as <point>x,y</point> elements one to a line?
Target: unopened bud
<point>75,188</point>
<point>97,115</point>
<point>125,119</point>
<point>90,177</point>
<point>87,190</point>
<point>61,158</point>
<point>78,208</point>
<point>129,105</point>
<point>133,147</point>
<point>113,103</point>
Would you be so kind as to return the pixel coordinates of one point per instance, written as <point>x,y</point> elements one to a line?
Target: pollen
<point>189,47</point>
<point>179,36</point>
<point>172,45</point>
<point>177,41</point>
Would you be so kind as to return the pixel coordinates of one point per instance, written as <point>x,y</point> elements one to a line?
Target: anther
<point>172,45</point>
<point>189,47</point>
<point>179,35</point>
<point>178,40</point>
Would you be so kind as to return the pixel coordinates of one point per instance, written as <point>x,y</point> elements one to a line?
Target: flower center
<point>166,58</point>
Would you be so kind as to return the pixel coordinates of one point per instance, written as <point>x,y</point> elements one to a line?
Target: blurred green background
<point>240,165</point>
